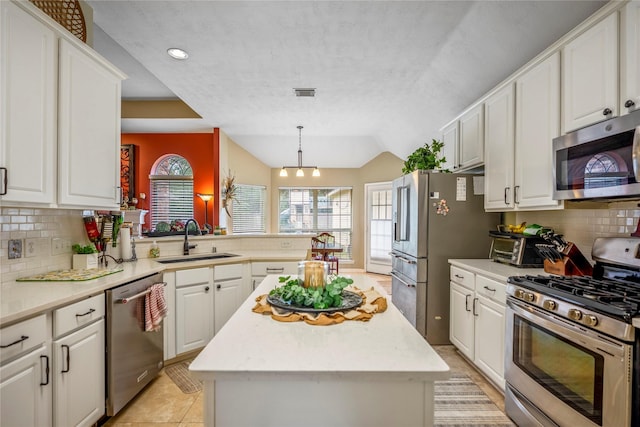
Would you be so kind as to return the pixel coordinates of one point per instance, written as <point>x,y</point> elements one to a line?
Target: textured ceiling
<point>388,74</point>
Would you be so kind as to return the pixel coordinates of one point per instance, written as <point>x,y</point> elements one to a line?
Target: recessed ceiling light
<point>177,53</point>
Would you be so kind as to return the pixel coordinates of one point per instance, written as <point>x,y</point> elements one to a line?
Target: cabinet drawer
<point>77,314</point>
<point>223,272</point>
<point>491,289</point>
<point>23,336</point>
<point>193,276</point>
<point>266,268</point>
<point>462,277</point>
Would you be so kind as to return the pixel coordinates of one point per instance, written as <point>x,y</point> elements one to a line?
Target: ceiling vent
<point>305,92</point>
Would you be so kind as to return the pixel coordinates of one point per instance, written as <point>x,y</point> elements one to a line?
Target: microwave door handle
<point>636,154</point>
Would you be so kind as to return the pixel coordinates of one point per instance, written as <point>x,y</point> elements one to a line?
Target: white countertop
<point>21,300</point>
<point>494,270</point>
<point>255,345</point>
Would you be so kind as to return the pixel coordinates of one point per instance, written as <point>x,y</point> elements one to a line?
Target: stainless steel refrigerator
<point>436,216</point>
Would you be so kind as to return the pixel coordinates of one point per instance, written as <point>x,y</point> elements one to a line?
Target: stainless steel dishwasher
<point>134,357</point>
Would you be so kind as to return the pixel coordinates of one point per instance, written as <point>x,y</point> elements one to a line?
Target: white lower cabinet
<point>477,321</point>
<point>78,368</point>
<point>230,292</point>
<point>194,308</point>
<point>25,390</point>
<point>79,377</point>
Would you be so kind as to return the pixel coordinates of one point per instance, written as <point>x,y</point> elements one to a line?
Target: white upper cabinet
<point>89,134</point>
<point>630,58</point>
<point>450,149</point>
<point>471,145</point>
<point>537,123</point>
<point>59,116</point>
<point>499,149</point>
<point>590,75</point>
<point>27,123</point>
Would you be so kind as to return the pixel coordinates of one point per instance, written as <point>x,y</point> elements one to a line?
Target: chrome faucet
<point>187,246</point>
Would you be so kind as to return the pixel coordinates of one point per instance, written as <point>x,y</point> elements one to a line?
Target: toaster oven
<point>515,249</point>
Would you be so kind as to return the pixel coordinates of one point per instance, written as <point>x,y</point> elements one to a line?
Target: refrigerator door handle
<point>395,276</point>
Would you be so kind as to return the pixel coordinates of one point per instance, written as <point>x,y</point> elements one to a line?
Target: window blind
<point>248,209</point>
<point>171,199</point>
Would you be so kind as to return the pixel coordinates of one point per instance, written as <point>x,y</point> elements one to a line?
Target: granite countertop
<point>494,270</point>
<point>387,346</point>
<point>21,300</point>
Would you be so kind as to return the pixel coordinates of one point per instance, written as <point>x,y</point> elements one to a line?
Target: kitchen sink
<point>187,258</point>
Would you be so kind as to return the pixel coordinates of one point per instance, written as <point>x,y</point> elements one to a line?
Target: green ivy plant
<point>321,297</point>
<point>79,249</point>
<point>426,157</point>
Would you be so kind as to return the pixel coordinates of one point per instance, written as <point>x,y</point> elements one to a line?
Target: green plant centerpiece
<point>322,297</point>
<point>427,157</point>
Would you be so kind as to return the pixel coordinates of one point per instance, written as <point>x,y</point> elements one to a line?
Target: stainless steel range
<point>573,354</point>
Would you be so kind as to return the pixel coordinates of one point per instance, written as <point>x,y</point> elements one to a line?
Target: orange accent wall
<point>202,151</point>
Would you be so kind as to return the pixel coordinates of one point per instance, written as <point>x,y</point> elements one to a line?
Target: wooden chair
<point>325,239</point>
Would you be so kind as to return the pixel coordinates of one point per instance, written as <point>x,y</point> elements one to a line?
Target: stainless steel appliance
<point>134,357</point>
<point>599,161</point>
<point>436,216</point>
<point>515,249</point>
<point>573,354</point>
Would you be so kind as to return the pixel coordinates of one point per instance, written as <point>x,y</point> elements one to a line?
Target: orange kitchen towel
<point>372,302</point>
<point>155,307</point>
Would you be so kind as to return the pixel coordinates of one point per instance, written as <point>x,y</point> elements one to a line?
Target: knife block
<point>572,264</point>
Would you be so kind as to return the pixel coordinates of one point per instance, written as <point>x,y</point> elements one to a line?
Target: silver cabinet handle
<point>516,194</point>
<point>46,370</point>
<point>275,270</point>
<point>506,195</point>
<point>402,281</point>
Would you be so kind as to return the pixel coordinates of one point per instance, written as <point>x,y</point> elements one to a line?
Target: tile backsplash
<point>46,235</point>
<point>581,225</point>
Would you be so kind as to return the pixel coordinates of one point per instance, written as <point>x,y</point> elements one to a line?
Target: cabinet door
<point>89,136</point>
<point>25,390</point>
<point>630,58</point>
<point>461,329</point>
<point>489,339</point>
<point>79,379</point>
<point>194,317</point>
<point>590,75</point>
<point>471,146</point>
<point>499,150</point>
<point>28,72</point>
<point>450,149</point>
<point>537,123</point>
<point>228,299</point>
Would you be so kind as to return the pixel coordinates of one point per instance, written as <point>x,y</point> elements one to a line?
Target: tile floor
<point>162,404</point>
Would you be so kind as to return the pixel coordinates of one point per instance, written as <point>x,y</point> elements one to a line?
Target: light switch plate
<point>15,249</point>
<point>39,246</point>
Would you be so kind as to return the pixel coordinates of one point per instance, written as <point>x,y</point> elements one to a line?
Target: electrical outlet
<point>36,247</point>
<point>15,249</point>
<point>60,246</point>
<point>286,244</point>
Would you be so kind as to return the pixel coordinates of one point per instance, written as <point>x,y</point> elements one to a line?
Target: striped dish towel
<point>155,307</point>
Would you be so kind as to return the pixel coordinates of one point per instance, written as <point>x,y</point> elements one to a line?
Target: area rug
<point>180,375</point>
<point>458,400</point>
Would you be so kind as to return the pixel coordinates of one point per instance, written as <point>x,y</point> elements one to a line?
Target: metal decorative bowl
<point>350,300</point>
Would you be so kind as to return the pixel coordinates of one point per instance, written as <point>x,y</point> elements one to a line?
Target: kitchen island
<point>258,371</point>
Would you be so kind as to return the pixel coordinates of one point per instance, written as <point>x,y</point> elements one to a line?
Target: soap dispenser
<point>154,251</point>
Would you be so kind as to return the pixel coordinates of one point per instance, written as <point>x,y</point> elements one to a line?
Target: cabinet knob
<point>218,286</point>
<point>206,289</point>
<point>606,111</point>
<point>629,103</point>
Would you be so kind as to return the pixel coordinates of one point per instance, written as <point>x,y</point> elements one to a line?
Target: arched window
<point>604,170</point>
<point>171,190</point>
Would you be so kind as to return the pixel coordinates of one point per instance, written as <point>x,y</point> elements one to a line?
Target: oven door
<point>572,375</point>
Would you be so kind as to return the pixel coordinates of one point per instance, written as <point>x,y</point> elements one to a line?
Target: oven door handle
<point>636,154</point>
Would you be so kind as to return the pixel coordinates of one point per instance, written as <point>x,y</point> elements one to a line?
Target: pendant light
<point>299,167</point>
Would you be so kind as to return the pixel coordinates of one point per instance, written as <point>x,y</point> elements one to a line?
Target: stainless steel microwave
<point>601,161</point>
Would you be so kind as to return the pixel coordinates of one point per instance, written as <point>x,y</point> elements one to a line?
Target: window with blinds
<point>248,209</point>
<point>171,190</point>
